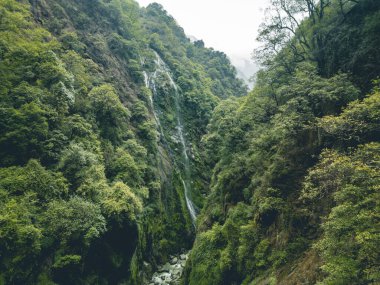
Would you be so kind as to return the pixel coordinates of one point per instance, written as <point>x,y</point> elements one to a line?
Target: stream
<point>171,272</point>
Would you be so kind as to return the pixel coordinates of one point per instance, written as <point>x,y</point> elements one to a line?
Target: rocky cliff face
<point>116,99</point>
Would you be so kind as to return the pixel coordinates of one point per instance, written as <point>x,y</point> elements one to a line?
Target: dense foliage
<point>294,196</point>
<point>83,196</point>
<point>101,101</point>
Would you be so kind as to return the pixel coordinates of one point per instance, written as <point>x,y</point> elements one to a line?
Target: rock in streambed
<point>170,273</point>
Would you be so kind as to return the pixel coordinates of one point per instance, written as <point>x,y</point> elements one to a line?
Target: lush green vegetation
<point>294,191</point>
<point>91,163</point>
<point>84,196</point>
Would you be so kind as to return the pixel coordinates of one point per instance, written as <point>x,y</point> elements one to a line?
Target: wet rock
<point>183,257</point>
<point>170,273</point>
<point>157,281</point>
<point>147,267</point>
<point>176,272</point>
<point>165,268</point>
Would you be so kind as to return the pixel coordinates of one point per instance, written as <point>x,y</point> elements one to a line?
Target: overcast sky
<point>226,25</point>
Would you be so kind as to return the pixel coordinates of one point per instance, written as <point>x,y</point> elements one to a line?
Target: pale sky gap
<point>225,25</point>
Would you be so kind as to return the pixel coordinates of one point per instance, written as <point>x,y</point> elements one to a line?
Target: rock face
<point>170,273</point>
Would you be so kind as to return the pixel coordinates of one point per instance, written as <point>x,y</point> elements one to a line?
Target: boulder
<point>165,276</point>
<point>164,268</point>
<point>177,272</point>
<point>157,281</point>
<point>183,257</point>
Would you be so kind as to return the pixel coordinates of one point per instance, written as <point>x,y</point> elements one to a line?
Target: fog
<point>228,26</point>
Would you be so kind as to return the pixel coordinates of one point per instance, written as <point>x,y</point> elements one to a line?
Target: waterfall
<point>150,82</point>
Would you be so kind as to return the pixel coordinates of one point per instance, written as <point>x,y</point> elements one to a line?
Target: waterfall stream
<point>150,82</point>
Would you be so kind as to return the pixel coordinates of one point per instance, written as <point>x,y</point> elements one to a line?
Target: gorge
<point>130,154</point>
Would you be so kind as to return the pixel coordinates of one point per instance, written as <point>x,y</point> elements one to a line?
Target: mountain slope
<point>89,186</point>
<point>293,196</point>
<point>123,143</point>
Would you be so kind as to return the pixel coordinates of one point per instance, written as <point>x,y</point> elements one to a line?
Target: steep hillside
<point>295,164</point>
<point>101,120</point>
<point>123,146</point>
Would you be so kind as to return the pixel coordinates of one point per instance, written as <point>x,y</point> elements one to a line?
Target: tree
<point>75,220</point>
<point>111,116</point>
<point>351,230</point>
<point>20,239</point>
<point>287,29</point>
<point>33,179</point>
<point>283,23</point>
<point>22,133</point>
<point>120,205</point>
<point>84,170</point>
<point>358,124</point>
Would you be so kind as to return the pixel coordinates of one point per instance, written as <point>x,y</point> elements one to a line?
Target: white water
<point>150,82</point>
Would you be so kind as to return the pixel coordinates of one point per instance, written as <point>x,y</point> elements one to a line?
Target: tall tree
<point>286,29</point>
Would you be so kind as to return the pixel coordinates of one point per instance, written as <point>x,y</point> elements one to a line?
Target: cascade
<point>150,82</point>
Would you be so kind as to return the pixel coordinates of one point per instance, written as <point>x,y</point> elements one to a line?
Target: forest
<point>129,151</point>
